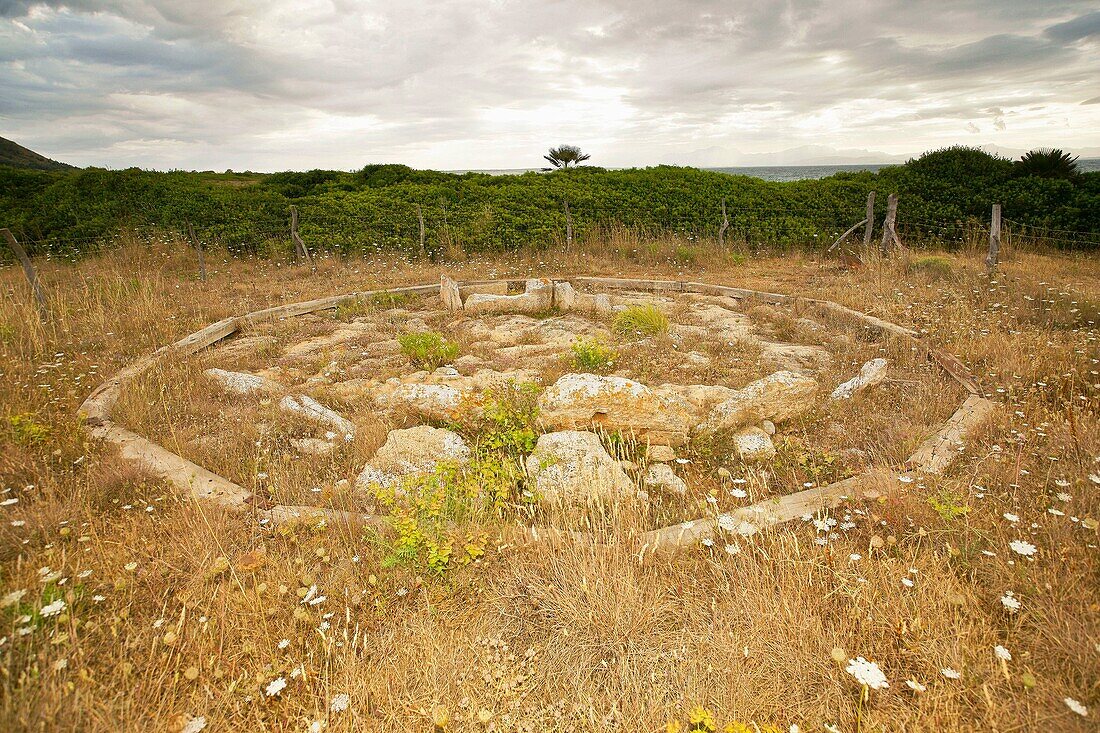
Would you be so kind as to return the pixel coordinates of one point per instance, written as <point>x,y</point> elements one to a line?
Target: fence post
<point>420,218</point>
<point>889,230</point>
<point>994,238</point>
<point>725,225</point>
<point>568,223</point>
<point>300,249</point>
<point>870,227</point>
<point>28,270</point>
<point>198,248</point>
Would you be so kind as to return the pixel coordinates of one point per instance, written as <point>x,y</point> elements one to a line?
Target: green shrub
<point>590,355</point>
<point>646,320</point>
<point>427,349</point>
<point>936,268</point>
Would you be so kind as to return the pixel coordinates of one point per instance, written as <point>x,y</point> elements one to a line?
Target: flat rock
<point>794,357</point>
<point>661,478</point>
<point>777,397</point>
<point>312,409</point>
<point>870,374</point>
<point>571,467</point>
<point>615,403</point>
<point>411,453</point>
<point>312,446</point>
<point>444,394</point>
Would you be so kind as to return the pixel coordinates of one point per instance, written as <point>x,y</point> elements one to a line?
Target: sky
<point>480,84</point>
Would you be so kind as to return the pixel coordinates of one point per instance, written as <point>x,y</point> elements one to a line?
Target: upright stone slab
<point>449,294</point>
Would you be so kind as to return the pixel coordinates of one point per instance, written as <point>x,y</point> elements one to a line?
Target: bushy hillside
<point>15,155</point>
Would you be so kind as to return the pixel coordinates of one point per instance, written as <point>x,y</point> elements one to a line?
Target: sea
<point>789,172</point>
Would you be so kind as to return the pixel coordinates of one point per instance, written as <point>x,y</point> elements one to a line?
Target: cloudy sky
<point>455,84</point>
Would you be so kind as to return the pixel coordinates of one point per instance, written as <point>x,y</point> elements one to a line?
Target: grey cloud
<point>1085,26</point>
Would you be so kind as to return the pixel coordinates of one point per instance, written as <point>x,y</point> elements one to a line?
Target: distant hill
<point>16,155</point>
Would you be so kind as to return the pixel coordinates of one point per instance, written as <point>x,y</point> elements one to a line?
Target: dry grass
<point>537,638</point>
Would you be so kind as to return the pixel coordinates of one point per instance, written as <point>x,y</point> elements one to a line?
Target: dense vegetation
<point>941,193</point>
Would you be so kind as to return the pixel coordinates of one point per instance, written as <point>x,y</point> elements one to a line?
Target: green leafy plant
<point>427,349</point>
<point>26,430</point>
<point>1047,163</point>
<point>509,420</point>
<point>589,355</point>
<point>948,505</point>
<point>645,320</point>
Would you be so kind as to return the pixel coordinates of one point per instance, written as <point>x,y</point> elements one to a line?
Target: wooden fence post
<point>198,248</point>
<point>889,230</point>
<point>725,225</point>
<point>28,270</point>
<point>994,238</point>
<point>300,249</point>
<point>869,229</point>
<point>568,223</point>
<point>420,218</point>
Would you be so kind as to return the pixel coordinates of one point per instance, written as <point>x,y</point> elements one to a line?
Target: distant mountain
<point>17,156</point>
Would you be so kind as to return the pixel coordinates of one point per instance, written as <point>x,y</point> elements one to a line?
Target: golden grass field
<point>121,613</point>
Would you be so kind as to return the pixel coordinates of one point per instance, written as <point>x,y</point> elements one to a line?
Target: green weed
<point>645,320</point>
<point>590,355</point>
<point>427,349</point>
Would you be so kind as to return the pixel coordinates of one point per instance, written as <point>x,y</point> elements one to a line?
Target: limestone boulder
<point>753,445</point>
<point>565,297</point>
<point>660,454</point>
<point>615,403</point>
<point>538,296</point>
<point>659,477</point>
<point>411,453</point>
<point>571,467</point>
<point>777,397</point>
<point>445,394</point>
<point>870,374</point>
<point>794,357</point>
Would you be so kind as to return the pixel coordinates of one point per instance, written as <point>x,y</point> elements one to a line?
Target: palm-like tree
<point>1047,163</point>
<point>565,155</point>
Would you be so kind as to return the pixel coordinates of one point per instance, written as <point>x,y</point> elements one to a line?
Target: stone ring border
<point>931,457</point>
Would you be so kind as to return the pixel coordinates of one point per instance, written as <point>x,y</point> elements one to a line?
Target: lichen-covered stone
<point>660,477</point>
<point>870,374</point>
<point>449,294</point>
<point>538,296</point>
<point>242,382</point>
<point>777,397</point>
<point>753,445</point>
<point>615,403</point>
<point>571,467</point>
<point>411,453</point>
<point>312,409</point>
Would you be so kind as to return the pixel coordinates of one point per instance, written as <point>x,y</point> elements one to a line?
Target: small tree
<point>1047,163</point>
<point>565,155</point>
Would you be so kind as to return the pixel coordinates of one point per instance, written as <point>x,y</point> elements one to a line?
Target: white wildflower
<point>1011,517</point>
<point>867,673</point>
<point>194,725</point>
<point>1020,547</point>
<point>54,608</point>
<point>1001,653</point>
<point>950,673</point>
<point>12,598</point>
<point>1010,602</point>
<point>1076,707</point>
<point>915,686</point>
<point>275,687</point>
<point>340,702</point>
